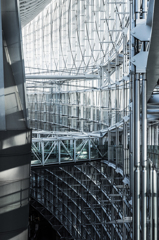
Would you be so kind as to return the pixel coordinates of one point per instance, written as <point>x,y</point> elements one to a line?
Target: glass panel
<point>51,152</point>
<point>36,155</point>
<point>81,149</point>
<point>94,150</point>
<point>67,150</point>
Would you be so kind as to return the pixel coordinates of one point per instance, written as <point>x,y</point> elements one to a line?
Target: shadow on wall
<point>15,148</point>
<point>15,158</point>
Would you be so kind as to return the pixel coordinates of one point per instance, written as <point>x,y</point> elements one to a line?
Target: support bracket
<point>140,61</point>
<point>142,31</point>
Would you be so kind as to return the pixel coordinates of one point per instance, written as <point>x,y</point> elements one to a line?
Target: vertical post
<point>154,210</point>
<point>82,109</point>
<point>124,91</point>
<point>156,136</point>
<point>59,152</point>
<point>44,116</point>
<point>126,148</point>
<point>157,203</point>
<point>109,145</point>
<point>124,215</point>
<point>132,75</point>
<point>36,108</point>
<point>150,201</point>
<point>124,155</point>
<point>149,135</point>
<point>137,9</point>
<point>71,147</point>
<point>152,135</point>
<point>100,98</point>
<point>74,149</point>
<point>125,143</point>
<point>42,153</point>
<point>117,88</point>
<point>89,148</point>
<point>131,151</point>
<point>117,146</point>
<point>144,157</point>
<point>109,94</point>
<point>38,136</point>
<point>112,207</point>
<point>144,8</point>
<point>91,109</point>
<point>137,157</point>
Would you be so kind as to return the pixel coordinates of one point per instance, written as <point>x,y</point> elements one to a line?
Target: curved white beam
<point>29,9</point>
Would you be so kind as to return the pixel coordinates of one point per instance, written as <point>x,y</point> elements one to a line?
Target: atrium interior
<point>79,116</point>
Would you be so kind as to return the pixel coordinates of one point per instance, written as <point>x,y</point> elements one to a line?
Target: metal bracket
<point>126,181</point>
<point>117,125</point>
<point>126,78</point>
<point>142,31</point>
<point>126,118</point>
<point>140,61</point>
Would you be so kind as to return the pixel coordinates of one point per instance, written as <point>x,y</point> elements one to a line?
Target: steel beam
<point>155,217</point>
<point>69,77</point>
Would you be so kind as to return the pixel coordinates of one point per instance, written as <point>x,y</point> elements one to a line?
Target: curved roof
<point>29,9</point>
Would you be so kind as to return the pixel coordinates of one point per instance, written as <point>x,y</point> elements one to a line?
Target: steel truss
<point>114,44</point>
<point>66,147</point>
<point>78,104</point>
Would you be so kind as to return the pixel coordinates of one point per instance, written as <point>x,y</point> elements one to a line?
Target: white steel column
<point>144,8</point>
<point>137,140</point>
<point>137,157</point>
<point>132,76</point>
<point>125,143</point>
<point>150,201</point>
<point>144,158</point>
<point>154,203</point>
